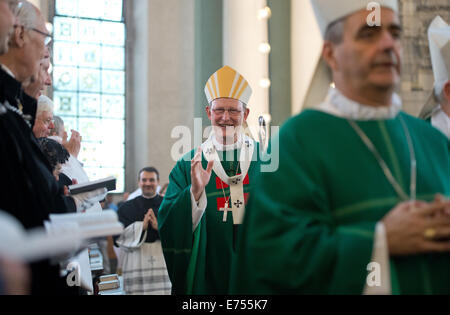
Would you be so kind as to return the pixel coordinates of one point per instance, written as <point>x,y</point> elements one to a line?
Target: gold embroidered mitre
<point>228,83</point>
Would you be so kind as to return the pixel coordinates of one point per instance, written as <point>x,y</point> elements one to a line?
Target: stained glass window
<point>89,81</point>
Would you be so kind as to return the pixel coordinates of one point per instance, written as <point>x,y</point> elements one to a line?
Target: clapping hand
<point>74,144</point>
<point>199,176</point>
<point>150,218</point>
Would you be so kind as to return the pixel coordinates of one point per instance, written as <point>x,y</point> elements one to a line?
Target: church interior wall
<point>173,47</point>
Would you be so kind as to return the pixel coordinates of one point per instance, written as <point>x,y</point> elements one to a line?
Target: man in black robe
<point>28,190</point>
<point>143,265</point>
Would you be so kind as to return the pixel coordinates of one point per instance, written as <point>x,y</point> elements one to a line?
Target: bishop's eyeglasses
<point>231,112</point>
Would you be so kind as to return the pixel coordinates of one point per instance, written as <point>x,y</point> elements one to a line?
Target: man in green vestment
<point>205,201</point>
<point>359,205</point>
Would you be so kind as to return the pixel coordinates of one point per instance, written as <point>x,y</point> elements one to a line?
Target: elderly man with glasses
<point>7,20</point>
<point>28,190</point>
<point>44,118</point>
<point>208,191</point>
<point>38,82</point>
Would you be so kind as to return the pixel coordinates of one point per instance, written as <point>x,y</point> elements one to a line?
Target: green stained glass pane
<point>89,105</point>
<point>113,58</point>
<point>89,56</point>
<point>113,131</point>
<point>114,12</point>
<point>113,82</point>
<point>70,123</point>
<point>65,29</point>
<point>89,80</point>
<point>66,7</point>
<point>65,78</point>
<point>93,9</point>
<point>113,34</point>
<point>113,154</point>
<point>66,104</point>
<point>90,129</point>
<point>90,31</point>
<point>90,154</point>
<point>93,173</point>
<point>65,54</point>
<point>113,106</point>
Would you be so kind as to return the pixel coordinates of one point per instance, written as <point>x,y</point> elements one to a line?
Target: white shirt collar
<point>57,139</point>
<point>441,121</point>
<point>339,105</point>
<point>7,70</point>
<point>148,198</point>
<point>228,147</point>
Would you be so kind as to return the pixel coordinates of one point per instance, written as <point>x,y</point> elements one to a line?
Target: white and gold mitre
<point>329,11</point>
<point>228,83</point>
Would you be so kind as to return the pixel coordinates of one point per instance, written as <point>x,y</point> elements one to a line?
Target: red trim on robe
<point>220,184</point>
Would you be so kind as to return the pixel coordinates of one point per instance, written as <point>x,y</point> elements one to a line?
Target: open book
<point>109,183</point>
<point>63,234</point>
<point>88,225</point>
<point>33,245</point>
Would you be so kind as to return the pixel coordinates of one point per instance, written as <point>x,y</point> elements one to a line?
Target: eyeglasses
<point>48,121</point>
<point>48,37</point>
<point>232,112</point>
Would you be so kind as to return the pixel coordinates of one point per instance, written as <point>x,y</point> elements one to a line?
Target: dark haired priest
<point>143,267</point>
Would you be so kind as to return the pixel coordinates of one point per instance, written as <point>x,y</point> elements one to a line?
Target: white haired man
<point>14,276</point>
<point>7,19</point>
<point>359,187</point>
<point>44,118</point>
<point>28,190</point>
<point>36,85</point>
<point>25,191</point>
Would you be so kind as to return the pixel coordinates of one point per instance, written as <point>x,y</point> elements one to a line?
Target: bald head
<point>27,43</point>
<point>8,9</point>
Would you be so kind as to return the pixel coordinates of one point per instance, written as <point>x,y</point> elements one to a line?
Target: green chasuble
<point>200,264</point>
<point>309,227</point>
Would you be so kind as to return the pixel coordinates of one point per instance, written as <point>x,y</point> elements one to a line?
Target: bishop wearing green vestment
<point>360,200</point>
<point>207,194</point>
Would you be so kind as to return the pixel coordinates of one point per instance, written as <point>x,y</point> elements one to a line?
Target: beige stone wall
<point>417,80</point>
<point>161,87</point>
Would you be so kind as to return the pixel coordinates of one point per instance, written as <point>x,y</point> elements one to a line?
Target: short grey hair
<point>27,15</point>
<point>59,126</point>
<point>44,105</point>
<point>335,32</point>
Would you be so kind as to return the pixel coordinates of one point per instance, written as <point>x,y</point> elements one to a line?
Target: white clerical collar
<point>7,70</point>
<point>339,105</point>
<point>148,198</point>
<point>57,139</point>
<point>228,147</point>
<point>441,121</point>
